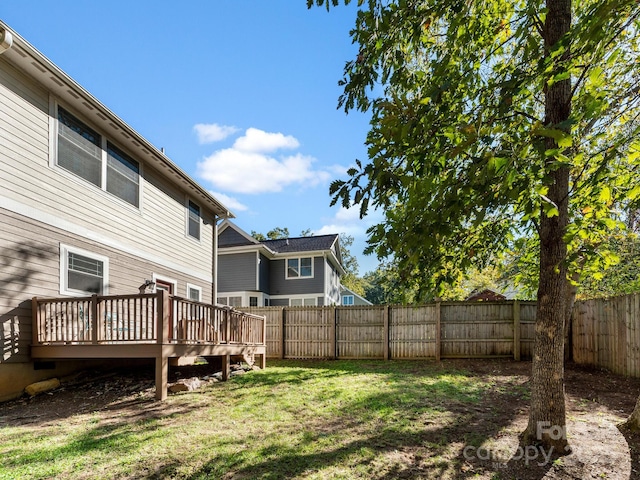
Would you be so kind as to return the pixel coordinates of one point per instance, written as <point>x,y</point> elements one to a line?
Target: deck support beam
<point>162,377</point>
<point>226,367</point>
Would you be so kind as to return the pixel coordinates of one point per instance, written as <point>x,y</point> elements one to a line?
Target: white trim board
<point>75,229</point>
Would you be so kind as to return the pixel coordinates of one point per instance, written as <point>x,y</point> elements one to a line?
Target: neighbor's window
<point>193,227</point>
<point>83,272</point>
<point>79,148</point>
<point>221,300</point>
<point>253,301</point>
<point>81,152</point>
<point>299,267</point>
<point>235,301</point>
<point>123,175</point>
<point>299,302</point>
<point>347,300</point>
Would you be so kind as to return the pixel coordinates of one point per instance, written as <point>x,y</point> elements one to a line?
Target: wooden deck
<point>149,325</point>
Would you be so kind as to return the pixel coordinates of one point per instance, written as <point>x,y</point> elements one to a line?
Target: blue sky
<point>241,94</point>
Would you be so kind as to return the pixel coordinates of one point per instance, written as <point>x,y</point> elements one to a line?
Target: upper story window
<point>123,175</point>
<point>300,267</point>
<point>347,300</point>
<point>193,223</point>
<point>79,148</point>
<point>83,152</point>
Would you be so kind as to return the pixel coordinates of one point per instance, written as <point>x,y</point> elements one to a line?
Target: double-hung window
<point>82,272</point>
<point>300,267</point>
<point>193,221</point>
<point>84,152</point>
<point>123,175</point>
<point>79,148</point>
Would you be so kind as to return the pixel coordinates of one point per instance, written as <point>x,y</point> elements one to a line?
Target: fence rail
<point>440,330</point>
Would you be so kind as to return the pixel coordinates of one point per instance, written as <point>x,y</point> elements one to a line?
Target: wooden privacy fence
<point>439,330</point>
<point>606,334</point>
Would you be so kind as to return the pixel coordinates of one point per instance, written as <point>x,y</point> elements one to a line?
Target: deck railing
<point>141,318</point>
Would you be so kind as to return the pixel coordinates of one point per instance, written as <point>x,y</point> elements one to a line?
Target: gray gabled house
<point>299,271</point>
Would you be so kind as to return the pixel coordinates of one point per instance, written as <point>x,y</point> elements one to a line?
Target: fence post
<point>334,333</point>
<point>385,333</point>
<point>282,326</point>
<point>438,331</point>
<point>516,330</point>
<point>227,314</point>
<point>94,318</point>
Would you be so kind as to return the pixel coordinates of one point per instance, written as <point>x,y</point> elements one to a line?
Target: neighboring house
<point>485,296</point>
<point>87,205</point>
<point>284,272</point>
<point>351,298</point>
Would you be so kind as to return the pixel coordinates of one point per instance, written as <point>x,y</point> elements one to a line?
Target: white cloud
<point>230,202</point>
<point>212,132</point>
<point>259,141</point>
<point>246,168</point>
<point>347,220</point>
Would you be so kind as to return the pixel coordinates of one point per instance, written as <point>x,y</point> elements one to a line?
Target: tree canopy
<point>496,122</point>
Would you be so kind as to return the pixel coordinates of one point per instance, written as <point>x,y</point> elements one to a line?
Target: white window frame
<point>197,289</point>
<point>162,278</point>
<point>64,267</point>
<point>299,277</point>
<point>186,227</point>
<point>302,299</point>
<point>104,139</point>
<point>352,297</point>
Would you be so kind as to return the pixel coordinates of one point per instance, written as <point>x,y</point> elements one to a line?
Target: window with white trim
<point>347,299</point>
<point>193,220</point>
<point>194,293</point>
<point>300,267</point>
<point>83,152</point>
<point>235,301</point>
<point>82,272</point>
<point>253,301</point>
<point>300,302</point>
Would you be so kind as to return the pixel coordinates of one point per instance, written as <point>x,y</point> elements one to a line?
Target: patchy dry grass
<point>316,420</point>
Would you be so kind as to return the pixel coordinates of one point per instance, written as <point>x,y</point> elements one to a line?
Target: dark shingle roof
<point>301,244</point>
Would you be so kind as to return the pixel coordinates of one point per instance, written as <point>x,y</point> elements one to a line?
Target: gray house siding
<point>30,266</point>
<point>264,274</point>
<point>300,286</point>
<point>230,237</point>
<point>237,272</point>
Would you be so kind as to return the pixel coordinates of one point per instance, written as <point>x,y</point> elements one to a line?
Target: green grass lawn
<point>333,419</point>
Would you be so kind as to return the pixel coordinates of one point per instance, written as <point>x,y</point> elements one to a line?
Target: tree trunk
<point>633,422</point>
<point>547,419</point>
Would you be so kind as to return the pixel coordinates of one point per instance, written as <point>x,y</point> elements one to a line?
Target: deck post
<point>162,376</point>
<point>94,319</point>
<point>162,322</point>
<point>35,322</point>
<point>226,367</point>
